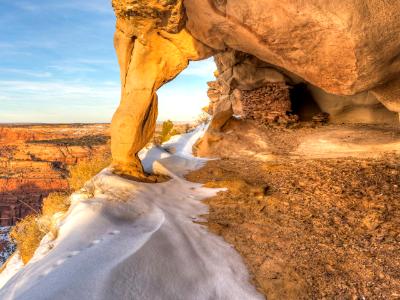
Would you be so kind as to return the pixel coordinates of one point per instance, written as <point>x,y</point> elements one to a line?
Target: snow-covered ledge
<point>128,240</point>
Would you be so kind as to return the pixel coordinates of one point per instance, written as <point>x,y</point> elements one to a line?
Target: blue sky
<point>57,64</point>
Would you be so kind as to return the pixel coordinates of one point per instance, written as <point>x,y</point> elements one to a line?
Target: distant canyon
<point>34,162</point>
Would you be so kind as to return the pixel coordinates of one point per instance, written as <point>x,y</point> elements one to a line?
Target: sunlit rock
<point>152,49</point>
<point>345,52</point>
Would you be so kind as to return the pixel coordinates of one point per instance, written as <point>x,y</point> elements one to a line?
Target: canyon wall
<point>34,161</point>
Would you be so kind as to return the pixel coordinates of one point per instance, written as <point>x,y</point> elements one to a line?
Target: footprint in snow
<point>93,243</point>
<point>46,272</point>
<point>73,253</point>
<point>114,232</point>
<point>60,262</point>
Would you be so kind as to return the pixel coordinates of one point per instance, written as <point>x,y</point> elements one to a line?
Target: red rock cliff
<point>34,160</point>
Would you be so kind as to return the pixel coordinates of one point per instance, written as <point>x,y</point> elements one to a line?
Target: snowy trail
<point>137,241</point>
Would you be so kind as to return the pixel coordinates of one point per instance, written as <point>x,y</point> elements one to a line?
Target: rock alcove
<point>340,58</point>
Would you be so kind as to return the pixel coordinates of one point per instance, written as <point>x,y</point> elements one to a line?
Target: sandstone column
<point>146,62</point>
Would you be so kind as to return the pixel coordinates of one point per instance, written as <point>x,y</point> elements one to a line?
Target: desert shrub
<point>174,132</point>
<point>206,109</point>
<point>89,141</point>
<point>27,235</point>
<point>202,118</point>
<point>167,131</point>
<point>84,170</point>
<point>54,203</point>
<point>29,231</point>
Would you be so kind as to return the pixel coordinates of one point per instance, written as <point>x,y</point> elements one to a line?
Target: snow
<point>128,240</point>
<point>14,265</point>
<point>7,247</point>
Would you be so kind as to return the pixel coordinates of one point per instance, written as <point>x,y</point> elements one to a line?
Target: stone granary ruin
<point>339,57</point>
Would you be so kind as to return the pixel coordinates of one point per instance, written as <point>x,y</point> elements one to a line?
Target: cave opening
<point>303,103</point>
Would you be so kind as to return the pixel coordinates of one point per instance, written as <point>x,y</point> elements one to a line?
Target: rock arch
<point>349,50</point>
<point>152,49</point>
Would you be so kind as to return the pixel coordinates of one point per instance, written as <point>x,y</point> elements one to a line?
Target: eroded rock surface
<point>249,88</point>
<point>347,52</point>
<point>34,160</point>
<point>344,47</point>
<point>152,48</point>
<point>311,228</point>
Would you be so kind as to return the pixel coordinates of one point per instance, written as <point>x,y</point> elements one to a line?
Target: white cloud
<point>30,73</point>
<point>70,68</point>
<point>93,61</point>
<point>57,91</point>
<point>50,100</point>
<point>6,45</point>
<point>83,65</point>
<point>27,6</point>
<point>87,102</point>
<point>38,43</point>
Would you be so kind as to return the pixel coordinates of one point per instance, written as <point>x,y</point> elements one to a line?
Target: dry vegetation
<point>88,141</point>
<point>202,118</point>
<point>27,235</point>
<point>84,170</point>
<point>54,203</point>
<point>167,130</point>
<point>29,231</point>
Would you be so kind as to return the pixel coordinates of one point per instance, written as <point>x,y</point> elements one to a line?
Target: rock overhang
<point>341,49</point>
<point>142,15</point>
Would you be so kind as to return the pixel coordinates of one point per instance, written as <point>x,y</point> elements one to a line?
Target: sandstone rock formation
<point>249,88</point>
<point>152,48</point>
<point>347,52</point>
<point>344,47</point>
<point>363,107</point>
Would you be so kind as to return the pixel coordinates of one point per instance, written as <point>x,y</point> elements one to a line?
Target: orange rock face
<point>34,160</point>
<point>152,47</point>
<point>344,47</point>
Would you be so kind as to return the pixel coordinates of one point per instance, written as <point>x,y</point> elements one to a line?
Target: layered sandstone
<point>34,161</point>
